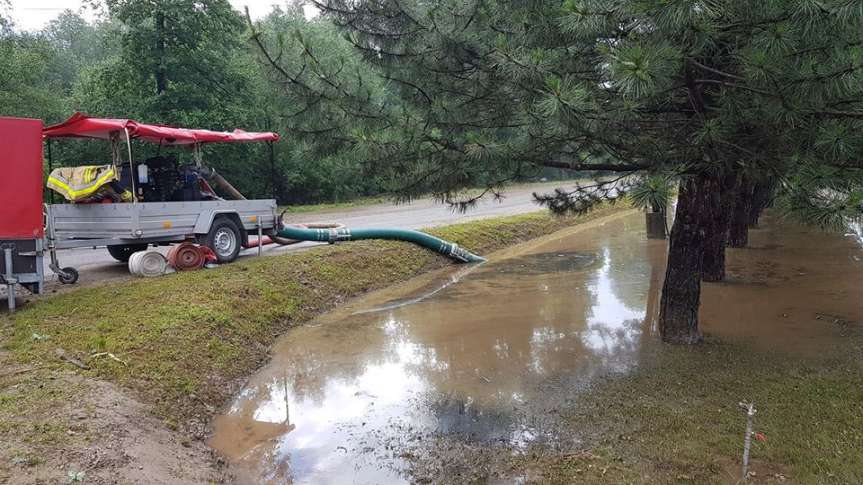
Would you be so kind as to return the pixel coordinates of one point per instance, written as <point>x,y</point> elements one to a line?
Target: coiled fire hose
<point>336,233</point>
<point>147,263</point>
<point>187,256</point>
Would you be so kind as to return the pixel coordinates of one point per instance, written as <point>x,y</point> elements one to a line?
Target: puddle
<point>486,354</point>
<point>795,290</point>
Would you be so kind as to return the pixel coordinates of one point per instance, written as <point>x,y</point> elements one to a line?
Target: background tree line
<point>190,63</point>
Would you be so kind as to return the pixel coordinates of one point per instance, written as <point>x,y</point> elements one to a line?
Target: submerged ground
<point>543,365</point>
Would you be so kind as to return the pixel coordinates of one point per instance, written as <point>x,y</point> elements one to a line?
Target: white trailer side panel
<point>128,222</point>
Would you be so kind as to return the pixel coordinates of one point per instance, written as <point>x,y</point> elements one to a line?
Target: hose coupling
<point>339,234</point>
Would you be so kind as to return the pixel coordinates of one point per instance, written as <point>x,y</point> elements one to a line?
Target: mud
<point>102,436</point>
<point>465,367</point>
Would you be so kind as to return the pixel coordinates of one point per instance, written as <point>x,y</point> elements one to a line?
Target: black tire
<point>68,276</point>
<point>225,239</point>
<point>123,252</point>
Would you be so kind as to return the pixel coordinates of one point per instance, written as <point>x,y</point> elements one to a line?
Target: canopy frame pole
<point>272,169</point>
<point>268,126</point>
<point>115,150</point>
<point>50,169</point>
<point>196,154</point>
<point>132,174</point>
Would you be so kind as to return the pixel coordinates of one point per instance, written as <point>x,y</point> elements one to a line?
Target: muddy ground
<point>95,434</point>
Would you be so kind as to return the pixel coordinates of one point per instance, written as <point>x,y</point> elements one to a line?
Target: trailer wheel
<point>224,239</point>
<point>68,276</point>
<point>122,252</point>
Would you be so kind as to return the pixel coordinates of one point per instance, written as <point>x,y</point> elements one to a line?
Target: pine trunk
<point>762,195</point>
<point>720,193</point>
<point>681,292</point>
<point>655,222</point>
<point>738,231</point>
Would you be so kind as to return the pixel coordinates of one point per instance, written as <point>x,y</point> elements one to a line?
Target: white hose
<point>148,264</point>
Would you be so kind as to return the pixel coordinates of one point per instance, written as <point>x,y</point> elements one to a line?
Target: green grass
<point>676,420</point>
<point>188,339</point>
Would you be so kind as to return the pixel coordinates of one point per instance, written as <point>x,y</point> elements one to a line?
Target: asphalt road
<point>95,265</point>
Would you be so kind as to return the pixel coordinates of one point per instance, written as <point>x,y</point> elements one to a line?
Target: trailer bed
<point>79,225</point>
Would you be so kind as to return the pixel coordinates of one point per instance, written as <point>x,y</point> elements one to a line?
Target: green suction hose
<point>334,235</point>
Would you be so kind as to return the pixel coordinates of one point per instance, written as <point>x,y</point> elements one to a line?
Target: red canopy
<point>83,126</point>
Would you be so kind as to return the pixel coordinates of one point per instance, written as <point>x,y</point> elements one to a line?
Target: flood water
<point>487,353</point>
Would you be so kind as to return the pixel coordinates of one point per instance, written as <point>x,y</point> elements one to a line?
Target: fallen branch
<point>110,356</point>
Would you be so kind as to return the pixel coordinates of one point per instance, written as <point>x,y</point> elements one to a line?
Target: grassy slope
<point>188,339</point>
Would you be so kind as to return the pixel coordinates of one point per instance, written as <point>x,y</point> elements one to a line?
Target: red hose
<point>186,256</point>
<point>253,243</point>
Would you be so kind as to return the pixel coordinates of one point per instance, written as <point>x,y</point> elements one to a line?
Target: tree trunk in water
<point>655,222</point>
<point>720,192</point>
<point>738,231</point>
<point>681,292</point>
<point>762,194</point>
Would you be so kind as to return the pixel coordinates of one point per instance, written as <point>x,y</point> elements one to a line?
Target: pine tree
<point>705,91</point>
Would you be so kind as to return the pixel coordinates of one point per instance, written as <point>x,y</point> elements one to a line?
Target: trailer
<point>123,229</point>
<point>141,210</point>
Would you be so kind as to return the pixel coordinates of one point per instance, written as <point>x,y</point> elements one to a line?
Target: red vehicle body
<point>22,225</point>
<point>21,179</point>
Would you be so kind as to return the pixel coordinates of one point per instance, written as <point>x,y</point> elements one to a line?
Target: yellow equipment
<point>87,183</point>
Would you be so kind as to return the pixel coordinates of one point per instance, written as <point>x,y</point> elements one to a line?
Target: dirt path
<point>98,435</point>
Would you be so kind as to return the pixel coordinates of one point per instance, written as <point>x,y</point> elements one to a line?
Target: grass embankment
<point>184,342</point>
<point>676,420</point>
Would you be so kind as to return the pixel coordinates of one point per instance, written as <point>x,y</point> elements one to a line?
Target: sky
<point>35,14</point>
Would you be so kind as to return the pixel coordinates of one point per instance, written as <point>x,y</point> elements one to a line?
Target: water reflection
<point>342,400</point>
<point>611,323</point>
<point>855,228</point>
